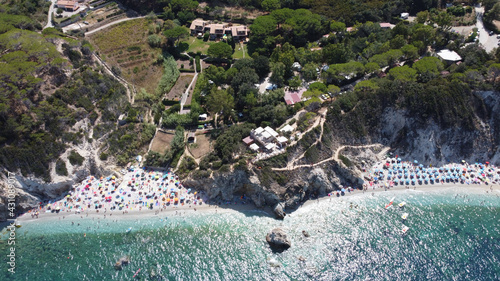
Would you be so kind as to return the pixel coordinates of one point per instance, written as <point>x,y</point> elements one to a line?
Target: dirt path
<point>49,15</point>
<point>122,81</point>
<point>335,157</point>
<point>110,24</point>
<point>321,120</point>
<point>186,93</point>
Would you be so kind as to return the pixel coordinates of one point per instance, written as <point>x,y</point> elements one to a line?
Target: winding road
<point>489,42</point>
<point>49,15</point>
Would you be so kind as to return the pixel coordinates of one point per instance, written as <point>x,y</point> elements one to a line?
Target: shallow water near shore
<point>454,235</point>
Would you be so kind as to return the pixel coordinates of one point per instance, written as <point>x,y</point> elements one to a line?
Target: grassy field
<point>198,45</point>
<point>201,147</point>
<point>180,86</point>
<point>125,45</point>
<point>240,51</point>
<point>161,142</point>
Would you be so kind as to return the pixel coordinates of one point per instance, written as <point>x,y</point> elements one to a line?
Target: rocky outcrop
<point>279,212</point>
<point>278,240</point>
<point>121,262</point>
<point>224,186</point>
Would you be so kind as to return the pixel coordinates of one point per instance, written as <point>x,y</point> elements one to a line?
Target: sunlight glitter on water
<point>452,236</point>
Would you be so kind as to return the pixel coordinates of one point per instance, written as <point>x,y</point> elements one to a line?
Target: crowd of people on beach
<point>138,189</point>
<point>394,172</point>
<point>142,188</point>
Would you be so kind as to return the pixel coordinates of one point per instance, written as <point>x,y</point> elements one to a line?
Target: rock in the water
<point>278,240</point>
<point>305,233</point>
<point>122,261</point>
<point>278,210</point>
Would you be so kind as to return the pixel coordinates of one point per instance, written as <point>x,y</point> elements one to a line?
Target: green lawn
<point>198,45</point>
<point>240,51</point>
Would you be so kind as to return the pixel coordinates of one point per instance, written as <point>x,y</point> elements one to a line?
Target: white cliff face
<point>30,190</point>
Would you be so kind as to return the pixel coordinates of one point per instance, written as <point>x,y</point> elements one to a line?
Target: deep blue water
<point>454,235</point>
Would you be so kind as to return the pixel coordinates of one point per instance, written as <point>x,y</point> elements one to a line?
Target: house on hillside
<point>198,27</point>
<point>293,97</point>
<point>239,32</point>
<point>70,6</point>
<point>386,25</point>
<point>218,30</point>
<point>449,56</point>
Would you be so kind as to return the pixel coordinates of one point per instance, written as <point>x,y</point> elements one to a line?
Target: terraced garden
<point>125,46</point>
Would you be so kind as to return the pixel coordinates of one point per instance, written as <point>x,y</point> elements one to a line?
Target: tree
<point>366,86</point>
<point>261,66</point>
<point>185,16</point>
<point>216,74</point>
<point>270,5</point>
<point>183,5</point>
<point>278,73</point>
<point>261,35</point>
<point>334,90</point>
<point>371,67</point>
<point>176,33</point>
<point>309,72</point>
<point>220,51</point>
<point>336,53</point>
<point>59,11</point>
<point>294,82</point>
<point>220,102</point>
<point>337,26</point>
<point>398,42</point>
<point>443,20</point>
<point>422,17</point>
<point>403,73</point>
<point>245,75</point>
<point>428,64</point>
<point>410,52</point>
<point>154,40</point>
<point>424,33</point>
<point>242,63</point>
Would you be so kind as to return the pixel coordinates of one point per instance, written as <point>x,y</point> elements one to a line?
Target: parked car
<point>491,33</point>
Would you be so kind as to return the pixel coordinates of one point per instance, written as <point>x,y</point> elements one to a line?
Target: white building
<point>449,56</point>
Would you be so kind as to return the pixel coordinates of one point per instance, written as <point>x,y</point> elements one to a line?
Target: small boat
<point>404,216</point>
<point>18,225</point>
<point>137,272</point>
<point>129,229</point>
<point>402,204</point>
<point>405,229</point>
<point>390,203</point>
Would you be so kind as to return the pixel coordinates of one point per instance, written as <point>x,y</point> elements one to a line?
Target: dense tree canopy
<point>220,50</point>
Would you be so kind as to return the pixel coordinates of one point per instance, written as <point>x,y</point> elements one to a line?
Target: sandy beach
<point>139,193</point>
<point>152,193</point>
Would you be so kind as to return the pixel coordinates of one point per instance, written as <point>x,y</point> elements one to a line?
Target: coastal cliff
<point>400,131</point>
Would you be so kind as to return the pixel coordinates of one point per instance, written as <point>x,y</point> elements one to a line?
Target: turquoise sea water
<point>454,235</point>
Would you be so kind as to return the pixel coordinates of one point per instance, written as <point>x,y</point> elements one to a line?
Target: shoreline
<point>144,192</point>
<point>179,211</point>
<point>189,211</point>
<point>490,189</point>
